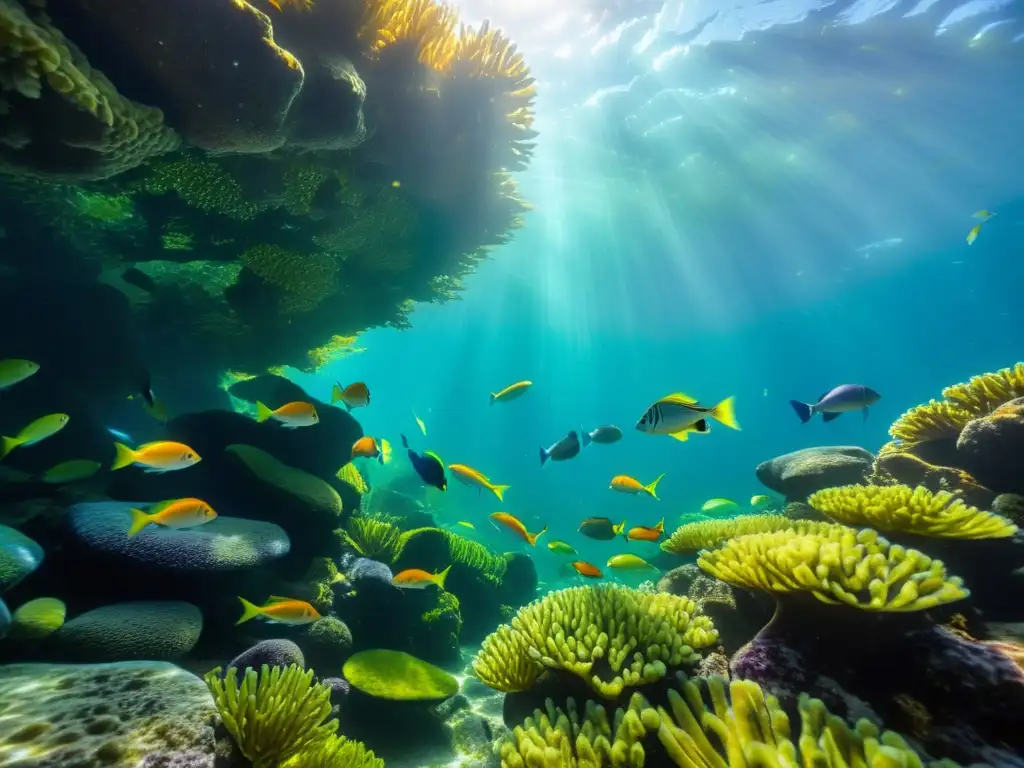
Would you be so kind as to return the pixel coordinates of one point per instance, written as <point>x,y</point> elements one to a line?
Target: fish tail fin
<point>543,455</point>
<point>803,410</point>
<point>440,577</point>
<point>405,443</point>
<point>139,521</point>
<point>620,529</point>
<point>123,456</point>
<point>532,537</point>
<point>249,611</point>
<point>8,444</point>
<point>725,412</point>
<point>494,397</point>
<point>336,393</point>
<point>653,486</point>
<point>262,412</point>
<point>499,491</point>
<point>586,437</point>
<point>660,527</point>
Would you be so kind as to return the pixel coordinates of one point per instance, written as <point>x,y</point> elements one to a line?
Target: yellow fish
<point>561,548</point>
<point>973,234</point>
<point>712,506</point>
<point>760,500</point>
<point>511,392</point>
<point>161,456</point>
<point>291,415</point>
<point>279,610</point>
<point>414,578</point>
<point>13,370</point>
<point>983,214</point>
<point>70,471</point>
<point>515,525</point>
<point>476,479</point>
<point>627,484</point>
<point>350,474</point>
<point>36,432</point>
<point>629,563</point>
<point>679,414</point>
<point>464,524</point>
<point>419,421</point>
<point>174,513</point>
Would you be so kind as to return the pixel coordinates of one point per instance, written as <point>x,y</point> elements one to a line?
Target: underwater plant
<point>613,637</point>
<point>377,539</point>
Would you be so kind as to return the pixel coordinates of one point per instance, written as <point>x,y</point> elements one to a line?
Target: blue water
<point>763,201</point>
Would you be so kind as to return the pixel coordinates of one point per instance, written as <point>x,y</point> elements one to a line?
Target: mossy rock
<point>19,556</point>
<point>397,676</point>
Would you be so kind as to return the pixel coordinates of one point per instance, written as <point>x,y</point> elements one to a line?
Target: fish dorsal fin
<point>679,397</point>
<point>277,599</point>
<point>822,395</point>
<point>435,457</point>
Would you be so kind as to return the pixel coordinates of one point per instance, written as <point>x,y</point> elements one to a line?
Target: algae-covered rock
<point>273,653</point>
<point>397,676</point>
<point>305,494</point>
<point>38,618</point>
<point>19,556</point>
<point>223,544</point>
<point>103,715</point>
<point>125,631</point>
<point>991,448</point>
<point>327,642</point>
<point>798,474</point>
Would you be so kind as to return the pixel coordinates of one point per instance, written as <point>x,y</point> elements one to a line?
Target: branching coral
<point>336,752</point>
<point>426,25</point>
<point>422,547</point>
<point>707,534</point>
<point>839,565</point>
<point>935,420</point>
<point>374,538</point>
<point>911,510</point>
<point>273,715</point>
<point>304,280</point>
<point>613,637</point>
<point>983,394</point>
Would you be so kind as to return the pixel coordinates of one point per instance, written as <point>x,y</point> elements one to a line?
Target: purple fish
<point>842,399</point>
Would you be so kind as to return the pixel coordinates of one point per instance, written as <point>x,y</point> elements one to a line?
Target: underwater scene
<point>529,384</point>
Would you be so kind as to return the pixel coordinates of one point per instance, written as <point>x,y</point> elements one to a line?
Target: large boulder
<point>798,474</point>
<point>19,556</point>
<point>991,448</point>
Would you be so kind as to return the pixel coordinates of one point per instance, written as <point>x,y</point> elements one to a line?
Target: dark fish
<point>601,528</point>
<point>428,466</point>
<point>604,435</point>
<point>565,448</point>
<point>146,389</point>
<point>139,279</point>
<point>842,399</point>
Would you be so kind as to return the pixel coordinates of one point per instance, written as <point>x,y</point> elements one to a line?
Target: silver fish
<point>842,399</point>
<point>605,435</point>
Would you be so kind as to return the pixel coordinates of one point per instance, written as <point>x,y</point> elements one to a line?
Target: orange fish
<point>584,568</point>
<point>175,513</point>
<point>367,447</point>
<point>627,484</point>
<point>414,578</point>
<point>643,533</point>
<point>161,456</point>
<point>291,415</point>
<point>353,396</point>
<point>279,610</point>
<point>515,525</point>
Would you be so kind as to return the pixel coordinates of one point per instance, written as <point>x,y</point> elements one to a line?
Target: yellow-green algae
<point>398,676</point>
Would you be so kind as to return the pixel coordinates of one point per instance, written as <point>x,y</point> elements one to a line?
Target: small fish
<point>561,548</point>
<point>350,474</point>
<point>146,389</point>
<point>717,505</point>
<point>679,414</point>
<point>629,563</point>
<point>355,395</point>
<point>627,484</point>
<point>279,610</point>
<point>367,447</point>
<point>511,392</point>
<point>428,466</point>
<point>290,415</point>
<point>414,578</point>
<point>973,234</point>
<point>174,513</point>
<point>584,568</point>
<point>71,471</point>
<point>601,528</point>
<point>645,533</point>
<point>983,214</point>
<point>760,500</point>
<point>385,451</point>
<point>14,370</point>
<point>842,399</point>
<point>161,456</point>
<point>465,524</point>
<point>766,392</point>
<point>515,525</point>
<point>476,479</point>
<point>420,424</point>
<point>605,435</point>
<point>566,448</point>
<point>36,432</point>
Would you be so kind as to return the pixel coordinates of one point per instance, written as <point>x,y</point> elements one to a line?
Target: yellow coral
<point>427,25</point>
<point>201,183</point>
<point>336,752</point>
<point>273,715</point>
<point>983,394</point>
<point>911,510</point>
<point>636,636</point>
<point>351,475</point>
<point>337,348</point>
<point>935,420</point>
<point>305,281</point>
<point>374,538</point>
<point>706,534</point>
<point>839,565</point>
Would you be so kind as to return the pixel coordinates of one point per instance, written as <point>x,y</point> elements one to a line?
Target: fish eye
<point>190,455</point>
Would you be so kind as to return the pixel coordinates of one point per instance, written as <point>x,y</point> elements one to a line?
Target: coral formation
<point>612,637</point>
<point>690,538</point>
<point>373,538</point>
<point>837,565</point>
<point>398,676</point>
<point>910,510</point>
<point>274,714</point>
<point>336,752</point>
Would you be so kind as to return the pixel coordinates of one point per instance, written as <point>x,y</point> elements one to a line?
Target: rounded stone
<point>159,630</point>
<point>798,474</point>
<point>19,556</point>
